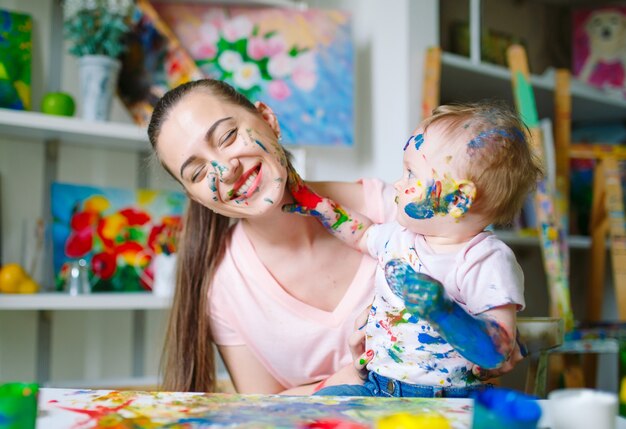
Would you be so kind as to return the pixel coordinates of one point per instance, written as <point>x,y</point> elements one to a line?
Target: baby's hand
<point>421,293</point>
<point>305,199</point>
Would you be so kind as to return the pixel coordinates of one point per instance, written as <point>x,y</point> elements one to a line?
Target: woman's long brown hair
<point>188,361</point>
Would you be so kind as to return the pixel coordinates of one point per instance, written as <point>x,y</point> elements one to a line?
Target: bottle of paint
<point>18,405</point>
<point>505,409</point>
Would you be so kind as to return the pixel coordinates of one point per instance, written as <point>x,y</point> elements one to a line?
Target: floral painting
<point>15,59</point>
<point>298,62</point>
<point>116,231</point>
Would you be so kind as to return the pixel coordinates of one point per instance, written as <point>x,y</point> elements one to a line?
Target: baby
<point>447,291</point>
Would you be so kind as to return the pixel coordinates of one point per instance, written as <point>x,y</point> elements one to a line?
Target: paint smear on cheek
<point>219,168</point>
<point>442,197</point>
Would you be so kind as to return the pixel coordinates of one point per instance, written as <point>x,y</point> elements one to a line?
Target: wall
<point>389,40</point>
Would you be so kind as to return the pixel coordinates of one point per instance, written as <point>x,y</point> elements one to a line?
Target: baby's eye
<point>409,173</point>
<point>228,138</point>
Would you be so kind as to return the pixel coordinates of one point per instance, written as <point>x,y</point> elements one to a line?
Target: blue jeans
<point>377,385</point>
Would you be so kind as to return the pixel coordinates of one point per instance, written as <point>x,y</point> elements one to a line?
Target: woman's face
<point>226,157</point>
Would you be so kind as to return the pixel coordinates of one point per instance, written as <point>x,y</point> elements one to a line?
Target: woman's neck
<point>284,229</point>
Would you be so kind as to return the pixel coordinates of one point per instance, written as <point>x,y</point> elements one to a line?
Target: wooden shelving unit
<point>465,80</point>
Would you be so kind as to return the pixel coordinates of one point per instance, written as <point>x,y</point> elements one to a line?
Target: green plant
<point>97,27</point>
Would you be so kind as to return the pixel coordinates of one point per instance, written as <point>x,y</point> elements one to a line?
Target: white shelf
<point>463,80</point>
<point>40,126</point>
<point>94,301</point>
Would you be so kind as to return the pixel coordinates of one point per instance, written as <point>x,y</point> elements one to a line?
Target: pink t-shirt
<point>297,343</point>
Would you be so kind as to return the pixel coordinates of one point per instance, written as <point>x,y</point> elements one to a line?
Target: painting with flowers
<point>299,62</point>
<point>118,232</point>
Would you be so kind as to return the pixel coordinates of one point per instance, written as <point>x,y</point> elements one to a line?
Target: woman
<point>276,293</point>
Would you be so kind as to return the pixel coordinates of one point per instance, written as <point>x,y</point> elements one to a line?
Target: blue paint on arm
<point>477,339</point>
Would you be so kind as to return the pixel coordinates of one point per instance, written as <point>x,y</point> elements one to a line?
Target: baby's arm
<point>348,225</point>
<point>486,340</point>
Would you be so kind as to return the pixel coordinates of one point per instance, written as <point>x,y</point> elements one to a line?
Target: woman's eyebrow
<point>211,131</point>
<point>188,161</point>
<point>208,137</point>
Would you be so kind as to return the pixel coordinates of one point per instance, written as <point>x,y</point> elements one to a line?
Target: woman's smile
<point>247,184</point>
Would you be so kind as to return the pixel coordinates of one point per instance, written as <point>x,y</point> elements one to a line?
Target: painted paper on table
<point>153,64</point>
<point>146,410</point>
<point>599,47</point>
<point>300,63</point>
<point>15,59</point>
<point>117,231</point>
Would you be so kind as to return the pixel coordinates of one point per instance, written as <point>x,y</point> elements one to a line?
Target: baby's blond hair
<point>495,155</point>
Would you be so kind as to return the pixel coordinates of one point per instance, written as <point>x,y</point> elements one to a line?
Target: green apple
<point>58,103</point>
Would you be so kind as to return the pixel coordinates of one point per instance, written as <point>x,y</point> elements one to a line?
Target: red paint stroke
<point>385,326</point>
<point>305,197</point>
<point>96,413</point>
<point>333,424</point>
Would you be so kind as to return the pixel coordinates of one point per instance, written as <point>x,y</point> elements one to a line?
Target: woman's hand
<point>360,356</point>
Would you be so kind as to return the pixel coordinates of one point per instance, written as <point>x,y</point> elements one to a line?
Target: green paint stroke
<point>343,217</point>
<point>526,101</point>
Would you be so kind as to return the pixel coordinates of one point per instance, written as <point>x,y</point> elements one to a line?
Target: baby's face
<point>430,192</point>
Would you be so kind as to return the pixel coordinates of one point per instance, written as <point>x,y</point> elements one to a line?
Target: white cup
<point>582,409</point>
<point>164,274</point>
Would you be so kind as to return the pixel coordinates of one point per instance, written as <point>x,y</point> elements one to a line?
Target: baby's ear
<point>463,199</point>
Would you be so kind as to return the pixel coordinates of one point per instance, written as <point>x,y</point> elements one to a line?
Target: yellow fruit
<point>28,286</point>
<point>11,275</point>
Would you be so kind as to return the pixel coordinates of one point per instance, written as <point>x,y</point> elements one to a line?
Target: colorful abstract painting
<point>153,63</point>
<point>15,59</point>
<point>300,63</point>
<point>599,50</point>
<point>116,231</point>
<point>143,410</point>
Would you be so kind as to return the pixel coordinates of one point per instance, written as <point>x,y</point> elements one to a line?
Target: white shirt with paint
<point>483,275</point>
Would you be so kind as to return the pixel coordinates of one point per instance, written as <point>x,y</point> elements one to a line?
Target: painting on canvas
<point>15,59</point>
<point>299,62</point>
<point>599,47</point>
<point>118,232</point>
<point>153,63</point>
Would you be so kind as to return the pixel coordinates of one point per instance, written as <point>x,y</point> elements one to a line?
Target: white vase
<point>98,79</point>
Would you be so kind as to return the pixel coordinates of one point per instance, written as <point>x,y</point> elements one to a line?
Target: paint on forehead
<point>417,139</point>
<point>491,136</point>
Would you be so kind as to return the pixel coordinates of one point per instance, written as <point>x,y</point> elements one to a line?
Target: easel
<point>550,223</point>
<point>552,212</point>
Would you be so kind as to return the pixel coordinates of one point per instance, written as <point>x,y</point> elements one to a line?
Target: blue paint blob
<point>420,210</point>
<point>429,339</point>
<point>419,139</point>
